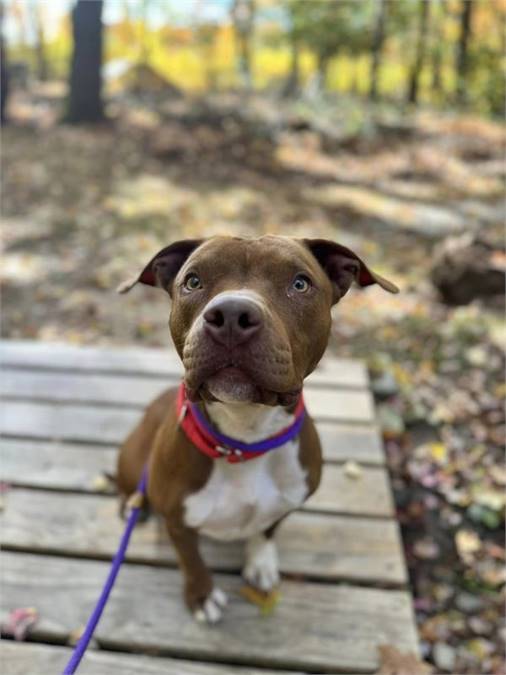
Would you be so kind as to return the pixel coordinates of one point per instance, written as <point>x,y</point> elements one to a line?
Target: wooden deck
<point>65,409</point>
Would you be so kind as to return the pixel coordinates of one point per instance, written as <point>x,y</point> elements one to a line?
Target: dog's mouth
<point>250,373</point>
<point>232,384</point>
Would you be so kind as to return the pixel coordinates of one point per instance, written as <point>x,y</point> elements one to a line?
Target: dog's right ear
<point>162,269</point>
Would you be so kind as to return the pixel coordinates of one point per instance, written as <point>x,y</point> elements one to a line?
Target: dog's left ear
<point>161,270</point>
<point>343,266</point>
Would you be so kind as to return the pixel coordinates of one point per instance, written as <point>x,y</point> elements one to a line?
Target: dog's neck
<point>249,422</point>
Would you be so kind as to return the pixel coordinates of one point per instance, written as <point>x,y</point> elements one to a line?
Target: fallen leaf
<point>492,499</point>
<point>20,621</point>
<point>480,647</point>
<point>439,452</point>
<point>477,356</point>
<point>352,470</point>
<point>468,543</point>
<point>266,602</point>
<point>426,549</point>
<point>498,474</point>
<point>75,635</point>
<point>103,482</point>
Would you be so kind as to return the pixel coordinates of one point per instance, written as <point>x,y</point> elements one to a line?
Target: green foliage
<point>333,26</point>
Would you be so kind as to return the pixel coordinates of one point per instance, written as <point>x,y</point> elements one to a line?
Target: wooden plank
<point>141,360</point>
<point>54,465</point>
<point>311,545</point>
<point>94,424</point>
<point>27,658</point>
<point>348,405</point>
<point>341,442</point>
<point>368,495</point>
<point>316,627</point>
<point>90,424</point>
<point>66,466</point>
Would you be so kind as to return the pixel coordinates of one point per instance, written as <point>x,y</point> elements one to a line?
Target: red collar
<point>216,445</point>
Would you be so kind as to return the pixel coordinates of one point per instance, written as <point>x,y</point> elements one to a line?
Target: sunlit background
<point>194,45</point>
<point>378,124</point>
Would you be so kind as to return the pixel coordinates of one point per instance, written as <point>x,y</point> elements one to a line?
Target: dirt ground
<point>85,208</point>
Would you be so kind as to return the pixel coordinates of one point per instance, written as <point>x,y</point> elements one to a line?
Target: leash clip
<point>136,500</point>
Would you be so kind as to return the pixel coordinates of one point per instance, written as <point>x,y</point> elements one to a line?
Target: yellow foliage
<point>205,55</point>
<point>439,453</point>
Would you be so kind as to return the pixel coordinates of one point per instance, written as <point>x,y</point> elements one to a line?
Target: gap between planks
<point>103,424</point>
<point>319,547</point>
<point>367,495</point>
<point>315,628</point>
<point>340,443</point>
<point>28,658</point>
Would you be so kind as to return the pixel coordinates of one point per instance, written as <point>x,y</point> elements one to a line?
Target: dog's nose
<point>233,321</point>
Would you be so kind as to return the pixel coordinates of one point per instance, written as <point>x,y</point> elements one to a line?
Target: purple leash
<point>85,638</point>
<point>136,503</point>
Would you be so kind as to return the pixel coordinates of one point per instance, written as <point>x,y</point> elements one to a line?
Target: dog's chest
<point>242,499</point>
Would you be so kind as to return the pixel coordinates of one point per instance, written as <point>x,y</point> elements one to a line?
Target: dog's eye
<point>192,282</point>
<point>301,283</point>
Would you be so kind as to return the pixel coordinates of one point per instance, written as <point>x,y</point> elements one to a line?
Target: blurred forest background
<point>376,123</point>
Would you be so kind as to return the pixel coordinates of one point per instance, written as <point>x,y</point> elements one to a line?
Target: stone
<point>444,656</point>
<point>468,603</point>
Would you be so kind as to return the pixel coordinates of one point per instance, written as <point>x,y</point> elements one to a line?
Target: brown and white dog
<point>250,319</point>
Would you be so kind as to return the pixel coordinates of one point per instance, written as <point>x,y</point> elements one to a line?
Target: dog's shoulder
<point>176,467</point>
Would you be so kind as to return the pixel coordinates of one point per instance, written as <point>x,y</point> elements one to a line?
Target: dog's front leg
<point>205,601</point>
<point>261,568</point>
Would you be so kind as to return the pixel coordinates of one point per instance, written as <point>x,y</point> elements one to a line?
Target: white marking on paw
<point>261,568</point>
<point>200,616</point>
<point>211,610</point>
<point>219,597</point>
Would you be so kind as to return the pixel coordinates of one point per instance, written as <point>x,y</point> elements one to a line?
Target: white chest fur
<point>243,499</point>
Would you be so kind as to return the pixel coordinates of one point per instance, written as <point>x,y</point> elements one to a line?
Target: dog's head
<point>250,318</point>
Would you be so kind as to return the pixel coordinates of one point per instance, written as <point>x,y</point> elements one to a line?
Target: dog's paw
<point>261,569</point>
<point>211,611</point>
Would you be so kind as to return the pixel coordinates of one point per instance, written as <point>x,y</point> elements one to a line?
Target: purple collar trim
<point>285,435</point>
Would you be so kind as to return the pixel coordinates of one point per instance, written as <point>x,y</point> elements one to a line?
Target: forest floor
<point>85,208</point>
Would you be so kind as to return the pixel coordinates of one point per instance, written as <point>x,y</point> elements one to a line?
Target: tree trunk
<point>245,60</point>
<point>293,82</point>
<point>461,61</point>
<point>437,48</point>
<point>85,96</point>
<point>377,47</point>
<point>40,46</point>
<point>4,71</point>
<point>243,16</point>
<point>322,72</point>
<point>144,50</point>
<point>414,80</point>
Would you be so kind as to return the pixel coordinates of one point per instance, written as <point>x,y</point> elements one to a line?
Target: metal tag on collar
<point>182,413</point>
<point>223,451</point>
